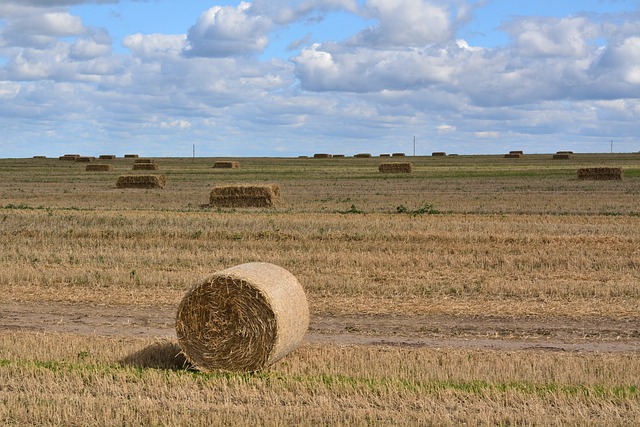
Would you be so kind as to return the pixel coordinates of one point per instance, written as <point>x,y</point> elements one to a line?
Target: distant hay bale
<point>96,167</point>
<point>303,157</point>
<point>397,155</point>
<point>512,156</point>
<point>338,156</point>
<point>107,157</point>
<point>84,159</point>
<point>600,174</point>
<point>438,154</point>
<point>141,181</point>
<point>70,157</point>
<point>516,152</point>
<point>145,166</point>
<point>564,152</point>
<point>562,156</point>
<point>363,155</point>
<point>322,156</point>
<point>385,155</point>
<point>143,161</point>
<point>395,167</point>
<point>243,318</point>
<point>39,157</point>
<point>245,196</point>
<point>131,156</point>
<point>226,165</point>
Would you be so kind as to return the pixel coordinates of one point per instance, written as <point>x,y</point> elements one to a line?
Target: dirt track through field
<point>548,334</point>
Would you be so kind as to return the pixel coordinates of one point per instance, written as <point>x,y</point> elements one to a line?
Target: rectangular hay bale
<point>97,167</point>
<point>322,156</point>
<point>141,181</point>
<point>438,154</point>
<point>562,156</point>
<point>145,166</point>
<point>363,155</point>
<point>226,165</point>
<point>130,156</point>
<point>512,156</point>
<point>600,174</point>
<point>143,161</point>
<point>396,167</point>
<point>107,157</point>
<point>245,196</point>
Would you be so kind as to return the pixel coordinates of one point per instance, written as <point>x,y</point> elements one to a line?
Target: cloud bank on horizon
<point>557,81</point>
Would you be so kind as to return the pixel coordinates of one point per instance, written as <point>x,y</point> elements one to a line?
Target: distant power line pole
<point>414,145</point>
<point>194,151</point>
<point>612,146</point>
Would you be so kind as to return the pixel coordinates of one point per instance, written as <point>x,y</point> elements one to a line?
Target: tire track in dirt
<point>495,333</point>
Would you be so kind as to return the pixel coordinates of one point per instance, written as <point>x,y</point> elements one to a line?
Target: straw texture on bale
<point>600,174</point>
<point>562,156</point>
<point>396,167</point>
<point>243,318</point>
<point>141,181</point>
<point>96,167</point>
<point>438,154</point>
<point>245,196</point>
<point>226,165</point>
<point>107,156</point>
<point>322,156</point>
<point>145,166</point>
<point>130,156</point>
<point>363,155</point>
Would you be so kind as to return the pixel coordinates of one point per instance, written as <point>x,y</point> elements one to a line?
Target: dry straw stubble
<point>97,167</point>
<point>245,196</point>
<point>396,167</point>
<point>243,318</point>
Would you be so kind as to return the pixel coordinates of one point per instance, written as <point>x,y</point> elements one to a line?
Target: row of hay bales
<point>80,158</point>
<point>357,156</point>
<point>222,196</point>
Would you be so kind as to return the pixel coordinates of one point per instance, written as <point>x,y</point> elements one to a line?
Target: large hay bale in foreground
<point>141,181</point>
<point>600,174</point>
<point>243,318</point>
<point>395,167</point>
<point>245,196</point>
<point>145,166</point>
<point>98,168</point>
<point>226,165</point>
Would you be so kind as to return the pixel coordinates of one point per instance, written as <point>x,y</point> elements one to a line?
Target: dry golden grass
<point>75,380</point>
<point>524,239</point>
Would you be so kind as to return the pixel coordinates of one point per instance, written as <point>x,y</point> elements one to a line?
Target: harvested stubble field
<point>475,290</point>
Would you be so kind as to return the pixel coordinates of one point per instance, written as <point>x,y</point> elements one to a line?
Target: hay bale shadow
<point>159,355</point>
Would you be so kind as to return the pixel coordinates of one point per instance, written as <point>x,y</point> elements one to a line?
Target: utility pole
<point>194,151</point>
<point>414,145</point>
<point>612,146</point>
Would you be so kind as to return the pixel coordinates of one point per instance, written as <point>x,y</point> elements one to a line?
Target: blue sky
<point>289,78</point>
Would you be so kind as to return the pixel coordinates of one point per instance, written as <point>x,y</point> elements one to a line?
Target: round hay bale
<point>243,318</point>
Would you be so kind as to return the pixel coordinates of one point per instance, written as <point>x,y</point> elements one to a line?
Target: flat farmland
<point>476,289</point>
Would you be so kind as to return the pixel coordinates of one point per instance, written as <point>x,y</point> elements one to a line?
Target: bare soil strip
<point>472,332</point>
